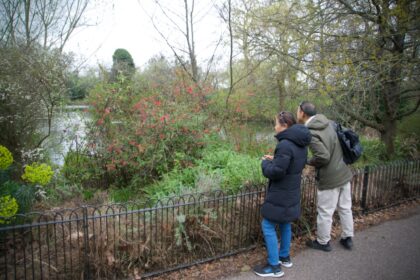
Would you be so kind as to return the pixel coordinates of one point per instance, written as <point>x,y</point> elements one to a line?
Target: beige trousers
<point>329,200</point>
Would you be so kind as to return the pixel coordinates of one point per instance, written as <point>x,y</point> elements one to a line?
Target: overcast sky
<point>127,24</point>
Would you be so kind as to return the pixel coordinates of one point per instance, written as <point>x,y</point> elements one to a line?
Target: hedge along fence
<point>122,240</point>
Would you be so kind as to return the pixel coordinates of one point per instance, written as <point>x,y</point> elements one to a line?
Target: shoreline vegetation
<point>226,160</point>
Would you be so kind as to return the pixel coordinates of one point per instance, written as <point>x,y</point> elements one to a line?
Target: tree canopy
<point>123,64</point>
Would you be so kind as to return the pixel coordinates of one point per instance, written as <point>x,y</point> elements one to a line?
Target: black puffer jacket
<point>282,203</point>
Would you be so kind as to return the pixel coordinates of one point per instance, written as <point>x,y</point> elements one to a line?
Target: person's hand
<point>267,157</point>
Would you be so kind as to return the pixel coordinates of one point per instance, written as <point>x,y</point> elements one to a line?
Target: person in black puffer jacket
<point>282,202</point>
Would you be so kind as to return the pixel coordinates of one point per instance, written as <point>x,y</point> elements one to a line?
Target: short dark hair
<point>286,118</point>
<point>308,108</point>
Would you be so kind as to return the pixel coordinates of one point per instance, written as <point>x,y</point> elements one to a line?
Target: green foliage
<point>38,173</point>
<point>4,176</point>
<point>241,170</point>
<point>123,65</point>
<point>88,194</point>
<point>158,75</point>
<point>80,85</point>
<point>122,55</point>
<point>8,208</point>
<point>60,191</point>
<point>406,147</point>
<point>9,188</point>
<point>374,151</point>
<point>410,126</point>
<point>80,169</point>
<point>6,158</point>
<point>220,168</point>
<point>24,195</point>
<point>122,195</point>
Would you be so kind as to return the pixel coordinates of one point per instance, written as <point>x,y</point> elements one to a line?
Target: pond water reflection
<point>68,130</point>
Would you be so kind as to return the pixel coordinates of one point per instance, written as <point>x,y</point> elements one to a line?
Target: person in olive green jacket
<point>333,176</point>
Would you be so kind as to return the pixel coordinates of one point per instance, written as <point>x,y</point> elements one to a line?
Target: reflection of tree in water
<point>68,133</point>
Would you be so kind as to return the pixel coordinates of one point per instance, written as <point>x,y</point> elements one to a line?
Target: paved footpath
<point>390,251</point>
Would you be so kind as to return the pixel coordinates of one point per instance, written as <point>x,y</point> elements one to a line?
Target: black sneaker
<point>314,244</point>
<point>286,262</point>
<point>269,271</point>
<point>347,243</point>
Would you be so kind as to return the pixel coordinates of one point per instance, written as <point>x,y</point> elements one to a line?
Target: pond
<point>69,126</point>
<point>68,131</point>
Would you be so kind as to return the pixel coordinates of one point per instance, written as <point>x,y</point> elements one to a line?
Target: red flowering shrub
<point>136,137</point>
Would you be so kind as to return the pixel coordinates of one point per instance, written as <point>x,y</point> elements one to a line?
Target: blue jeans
<point>270,236</point>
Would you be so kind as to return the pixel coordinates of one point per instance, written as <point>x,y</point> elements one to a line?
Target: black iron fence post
<point>365,188</point>
<point>86,274</point>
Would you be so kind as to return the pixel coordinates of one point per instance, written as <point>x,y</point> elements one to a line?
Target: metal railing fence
<point>123,240</point>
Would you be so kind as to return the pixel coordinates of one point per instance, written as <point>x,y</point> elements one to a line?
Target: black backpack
<point>350,144</point>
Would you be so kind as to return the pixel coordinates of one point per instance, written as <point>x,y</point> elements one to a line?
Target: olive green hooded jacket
<point>327,158</point>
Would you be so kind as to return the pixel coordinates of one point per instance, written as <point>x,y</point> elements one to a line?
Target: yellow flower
<point>6,158</point>
<point>38,173</point>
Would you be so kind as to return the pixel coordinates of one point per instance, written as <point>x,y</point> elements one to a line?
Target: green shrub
<point>407,147</point>
<point>4,176</point>
<point>38,173</point>
<point>6,158</point>
<point>62,191</point>
<point>374,151</point>
<point>8,208</point>
<point>241,170</point>
<point>175,182</point>
<point>9,188</point>
<point>410,126</point>
<point>122,195</point>
<point>24,195</point>
<point>88,194</point>
<point>80,169</point>
<point>220,168</point>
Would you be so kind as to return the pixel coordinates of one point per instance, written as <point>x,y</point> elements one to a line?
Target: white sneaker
<point>286,262</point>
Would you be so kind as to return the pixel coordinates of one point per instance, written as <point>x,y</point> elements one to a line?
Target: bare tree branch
<point>48,23</point>
<point>354,115</point>
<point>169,18</point>
<point>351,10</point>
<point>210,62</point>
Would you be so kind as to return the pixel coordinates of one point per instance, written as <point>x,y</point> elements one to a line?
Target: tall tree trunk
<point>281,91</point>
<point>392,80</point>
<point>189,34</point>
<point>388,137</point>
<point>27,22</point>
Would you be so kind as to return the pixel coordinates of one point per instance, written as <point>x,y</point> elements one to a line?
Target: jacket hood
<point>319,122</point>
<point>298,134</point>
